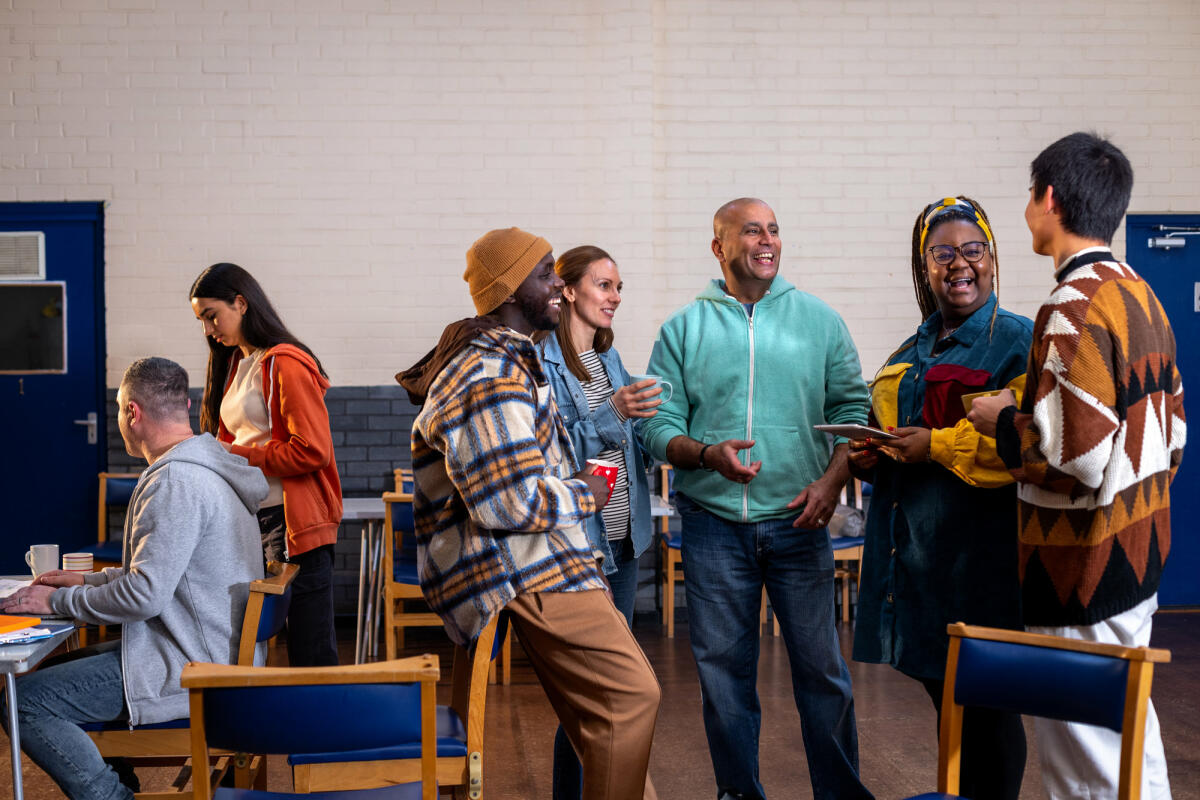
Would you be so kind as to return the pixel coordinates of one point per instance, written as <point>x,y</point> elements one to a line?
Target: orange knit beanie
<point>499,262</point>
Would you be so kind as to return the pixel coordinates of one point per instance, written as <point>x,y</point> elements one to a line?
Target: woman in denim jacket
<point>600,408</point>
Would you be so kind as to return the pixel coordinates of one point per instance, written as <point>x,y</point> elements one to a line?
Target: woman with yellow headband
<point>941,527</point>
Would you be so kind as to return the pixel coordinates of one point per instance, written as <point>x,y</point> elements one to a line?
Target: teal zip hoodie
<point>769,377</point>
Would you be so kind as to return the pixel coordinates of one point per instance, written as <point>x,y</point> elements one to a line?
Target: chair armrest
<point>198,675</point>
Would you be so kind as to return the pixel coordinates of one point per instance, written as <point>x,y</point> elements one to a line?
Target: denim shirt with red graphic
<point>941,535</point>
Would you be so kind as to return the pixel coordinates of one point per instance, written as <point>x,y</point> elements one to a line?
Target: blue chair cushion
<point>404,570</point>
<point>105,551</point>
<point>123,725</point>
<point>935,796</point>
<point>451,742</point>
<point>674,539</point>
<point>400,791</point>
<point>847,542</point>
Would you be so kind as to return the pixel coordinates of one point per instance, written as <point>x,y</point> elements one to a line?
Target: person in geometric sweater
<point>1094,447</point>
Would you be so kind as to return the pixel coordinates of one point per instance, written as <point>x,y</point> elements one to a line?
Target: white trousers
<point>1082,761</point>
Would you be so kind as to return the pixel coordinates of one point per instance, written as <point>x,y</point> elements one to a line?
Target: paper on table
<point>33,634</point>
<point>8,585</point>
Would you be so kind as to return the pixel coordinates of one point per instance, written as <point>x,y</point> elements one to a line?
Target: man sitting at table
<point>191,546</point>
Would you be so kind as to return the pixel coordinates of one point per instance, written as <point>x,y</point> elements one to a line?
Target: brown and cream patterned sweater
<point>1095,445</point>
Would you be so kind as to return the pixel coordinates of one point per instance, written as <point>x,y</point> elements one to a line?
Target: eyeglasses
<point>972,252</point>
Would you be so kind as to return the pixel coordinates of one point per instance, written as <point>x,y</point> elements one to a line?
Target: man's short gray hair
<point>159,386</point>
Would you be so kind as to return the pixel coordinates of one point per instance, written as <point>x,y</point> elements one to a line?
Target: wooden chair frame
<point>424,669</point>
<point>395,594</point>
<point>172,746</point>
<point>463,774</point>
<point>1141,661</point>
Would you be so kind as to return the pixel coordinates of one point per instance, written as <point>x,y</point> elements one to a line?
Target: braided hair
<point>932,216</point>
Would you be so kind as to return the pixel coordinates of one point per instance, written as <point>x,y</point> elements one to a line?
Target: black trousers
<point>993,749</point>
<point>311,639</point>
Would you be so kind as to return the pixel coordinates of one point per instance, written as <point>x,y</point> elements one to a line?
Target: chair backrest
<point>404,480</point>
<point>266,608</point>
<point>397,521</point>
<point>313,709</point>
<point>116,489</point>
<point>1047,676</point>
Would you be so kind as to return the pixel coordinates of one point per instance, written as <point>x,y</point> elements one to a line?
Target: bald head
<point>731,212</point>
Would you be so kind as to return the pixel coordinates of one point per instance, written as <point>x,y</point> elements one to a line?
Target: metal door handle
<point>91,426</point>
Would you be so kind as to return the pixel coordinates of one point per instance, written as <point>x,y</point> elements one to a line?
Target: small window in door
<point>33,327</point>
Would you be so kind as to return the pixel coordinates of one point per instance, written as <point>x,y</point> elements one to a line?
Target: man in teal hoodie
<point>755,364</point>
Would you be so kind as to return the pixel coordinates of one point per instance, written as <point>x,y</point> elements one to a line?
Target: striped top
<point>599,390</point>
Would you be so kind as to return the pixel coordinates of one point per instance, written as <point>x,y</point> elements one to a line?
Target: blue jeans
<point>726,564</point>
<point>53,702</point>
<point>567,783</point>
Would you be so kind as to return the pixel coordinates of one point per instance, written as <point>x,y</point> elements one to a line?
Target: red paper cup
<point>608,470</point>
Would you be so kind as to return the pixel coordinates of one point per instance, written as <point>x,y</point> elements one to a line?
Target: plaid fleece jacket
<point>496,512</point>
<point>1095,445</point>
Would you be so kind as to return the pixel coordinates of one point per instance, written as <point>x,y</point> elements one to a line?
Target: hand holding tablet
<point>855,431</point>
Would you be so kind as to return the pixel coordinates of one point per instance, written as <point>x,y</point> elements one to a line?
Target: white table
<point>368,510</point>
<point>16,659</point>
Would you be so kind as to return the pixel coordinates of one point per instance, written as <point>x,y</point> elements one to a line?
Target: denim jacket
<point>598,431</point>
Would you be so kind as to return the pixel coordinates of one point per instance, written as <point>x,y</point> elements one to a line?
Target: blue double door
<point>53,408</point>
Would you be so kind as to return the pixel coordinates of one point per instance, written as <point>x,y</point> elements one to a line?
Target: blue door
<point>1170,261</point>
<point>51,375</point>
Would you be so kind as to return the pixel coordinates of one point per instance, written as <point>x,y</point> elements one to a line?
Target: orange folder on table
<point>10,623</point>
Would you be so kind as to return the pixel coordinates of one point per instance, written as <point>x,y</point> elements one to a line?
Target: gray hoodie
<point>192,545</point>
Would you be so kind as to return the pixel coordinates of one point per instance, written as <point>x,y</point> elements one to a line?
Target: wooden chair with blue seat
<point>328,709</point>
<point>459,736</point>
<point>1045,676</point>
<point>401,583</point>
<point>168,743</point>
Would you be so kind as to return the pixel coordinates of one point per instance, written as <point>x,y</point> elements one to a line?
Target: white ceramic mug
<point>42,558</point>
<point>667,389</point>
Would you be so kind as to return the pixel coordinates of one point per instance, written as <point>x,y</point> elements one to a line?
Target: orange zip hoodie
<point>300,452</point>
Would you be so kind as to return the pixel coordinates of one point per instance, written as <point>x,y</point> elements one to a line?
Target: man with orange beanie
<point>500,508</point>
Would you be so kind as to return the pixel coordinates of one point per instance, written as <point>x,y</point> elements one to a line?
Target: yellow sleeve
<point>885,389</point>
<point>970,455</point>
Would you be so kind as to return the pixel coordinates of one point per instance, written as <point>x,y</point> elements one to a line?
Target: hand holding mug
<point>638,399</point>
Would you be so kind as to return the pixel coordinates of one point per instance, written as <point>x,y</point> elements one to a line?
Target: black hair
<point>925,299</point>
<point>261,328</point>
<point>1092,182</point>
<point>159,386</point>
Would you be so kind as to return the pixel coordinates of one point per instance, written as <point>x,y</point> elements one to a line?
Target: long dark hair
<point>572,267</point>
<point>925,298</point>
<point>261,328</point>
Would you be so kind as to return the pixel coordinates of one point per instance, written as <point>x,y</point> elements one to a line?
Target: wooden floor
<point>898,748</point>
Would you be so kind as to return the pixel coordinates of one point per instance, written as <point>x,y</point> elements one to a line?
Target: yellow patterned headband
<point>948,204</point>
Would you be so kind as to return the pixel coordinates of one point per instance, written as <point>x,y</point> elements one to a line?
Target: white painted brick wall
<point>348,152</point>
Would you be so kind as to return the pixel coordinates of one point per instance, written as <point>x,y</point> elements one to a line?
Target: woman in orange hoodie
<point>264,400</point>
